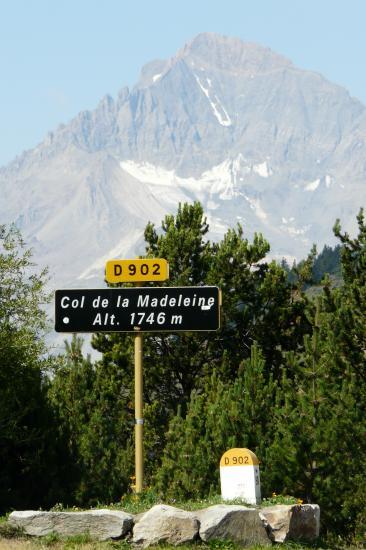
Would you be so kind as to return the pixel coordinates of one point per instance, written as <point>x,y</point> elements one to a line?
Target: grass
<point>138,503</point>
<point>134,504</point>
<point>83,543</point>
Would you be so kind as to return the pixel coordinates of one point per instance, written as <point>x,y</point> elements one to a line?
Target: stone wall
<point>167,524</point>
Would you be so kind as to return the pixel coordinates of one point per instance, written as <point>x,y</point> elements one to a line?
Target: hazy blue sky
<point>58,57</point>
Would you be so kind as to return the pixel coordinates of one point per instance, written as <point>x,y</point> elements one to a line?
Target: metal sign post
<point>139,421</point>
<point>139,411</point>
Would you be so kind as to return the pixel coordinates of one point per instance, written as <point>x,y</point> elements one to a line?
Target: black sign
<point>138,309</point>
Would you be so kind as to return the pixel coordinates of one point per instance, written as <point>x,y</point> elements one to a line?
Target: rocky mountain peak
<point>152,71</point>
<point>216,53</point>
<point>231,54</point>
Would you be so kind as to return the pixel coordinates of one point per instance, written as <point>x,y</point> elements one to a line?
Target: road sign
<point>137,271</point>
<point>138,309</point>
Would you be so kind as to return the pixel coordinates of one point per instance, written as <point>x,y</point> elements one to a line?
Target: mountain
<point>232,124</point>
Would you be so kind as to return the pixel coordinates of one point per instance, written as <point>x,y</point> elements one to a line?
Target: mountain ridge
<point>81,125</point>
<point>257,140</point>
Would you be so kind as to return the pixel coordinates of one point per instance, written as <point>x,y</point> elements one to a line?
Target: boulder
<point>237,523</point>
<point>295,522</point>
<point>99,524</point>
<point>167,524</point>
<point>163,523</point>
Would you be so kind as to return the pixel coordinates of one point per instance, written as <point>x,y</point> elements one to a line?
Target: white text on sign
<point>144,309</point>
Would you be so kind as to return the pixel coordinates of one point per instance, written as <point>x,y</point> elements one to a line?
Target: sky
<point>60,57</point>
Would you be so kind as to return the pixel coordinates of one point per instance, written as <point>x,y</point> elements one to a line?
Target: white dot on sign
<point>66,320</point>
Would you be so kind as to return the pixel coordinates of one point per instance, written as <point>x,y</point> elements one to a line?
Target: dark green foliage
<point>353,254</point>
<point>70,396</point>
<point>25,418</point>
<point>96,419</point>
<point>313,444</point>
<point>319,445</point>
<point>222,416</point>
<point>328,261</point>
<point>313,270</point>
<point>319,450</point>
<point>258,306</point>
<point>284,376</point>
<point>182,244</point>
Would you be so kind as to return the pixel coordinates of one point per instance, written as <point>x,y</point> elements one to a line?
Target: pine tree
<point>295,455</point>
<point>349,302</point>
<point>319,449</point>
<point>327,262</point>
<point>220,417</point>
<point>319,445</point>
<point>71,397</point>
<point>97,420</point>
<point>258,306</point>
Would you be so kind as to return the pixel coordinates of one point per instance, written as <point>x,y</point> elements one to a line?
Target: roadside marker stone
<point>239,475</point>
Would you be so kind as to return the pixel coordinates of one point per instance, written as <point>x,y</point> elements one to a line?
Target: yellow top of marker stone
<point>239,457</point>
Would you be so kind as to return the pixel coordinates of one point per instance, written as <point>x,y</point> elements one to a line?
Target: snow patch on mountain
<point>225,179</point>
<point>326,180</point>
<point>216,104</point>
<point>295,231</point>
<point>148,173</point>
<point>262,170</point>
<point>256,206</point>
<point>219,183</point>
<point>313,185</point>
<point>220,180</point>
<point>329,180</point>
<point>286,221</point>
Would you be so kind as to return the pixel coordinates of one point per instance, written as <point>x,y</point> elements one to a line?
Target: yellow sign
<point>239,457</point>
<point>137,271</point>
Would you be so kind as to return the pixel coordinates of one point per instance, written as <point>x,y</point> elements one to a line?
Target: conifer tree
<point>221,417</point>
<point>349,303</point>
<point>327,262</point>
<point>258,306</point>
<point>319,448</point>
<point>71,397</point>
<point>97,421</point>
